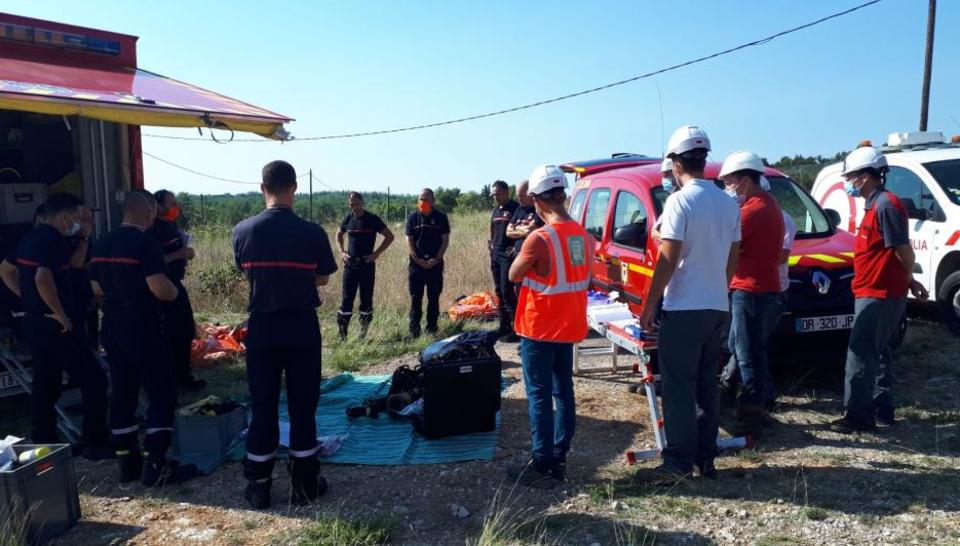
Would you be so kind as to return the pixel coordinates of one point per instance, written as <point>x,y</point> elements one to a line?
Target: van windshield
<point>810,219</point>
<point>807,215</point>
<point>947,174</point>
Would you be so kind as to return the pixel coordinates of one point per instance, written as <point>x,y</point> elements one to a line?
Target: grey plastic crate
<point>43,494</point>
<point>204,440</point>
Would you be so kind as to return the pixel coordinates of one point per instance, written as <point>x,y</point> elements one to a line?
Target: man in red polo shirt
<point>755,303</point>
<point>883,273</point>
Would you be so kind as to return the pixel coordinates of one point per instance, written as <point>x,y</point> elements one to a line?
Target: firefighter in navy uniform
<point>129,274</point>
<point>179,328</point>
<point>428,234</point>
<point>501,256</point>
<point>285,258</point>
<point>359,262</point>
<point>41,279</point>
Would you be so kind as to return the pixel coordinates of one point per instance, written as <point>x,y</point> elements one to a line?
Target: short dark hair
<point>161,195</point>
<point>753,175</point>
<point>879,174</point>
<point>279,176</point>
<point>40,213</point>
<point>430,191</point>
<point>693,160</point>
<point>355,195</point>
<point>502,185</point>
<point>556,195</point>
<point>136,199</point>
<point>60,202</point>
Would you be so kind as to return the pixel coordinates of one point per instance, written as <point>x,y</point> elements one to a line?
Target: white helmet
<point>545,178</point>
<point>741,161</point>
<point>686,138</point>
<point>666,166</point>
<point>864,158</point>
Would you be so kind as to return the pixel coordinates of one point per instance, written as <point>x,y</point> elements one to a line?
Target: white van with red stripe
<point>925,174</point>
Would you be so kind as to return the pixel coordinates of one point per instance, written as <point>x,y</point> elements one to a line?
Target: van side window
<point>576,206</point>
<point>597,213</point>
<point>912,191</point>
<point>630,210</point>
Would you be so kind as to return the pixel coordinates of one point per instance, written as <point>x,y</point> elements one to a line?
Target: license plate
<point>824,324</point>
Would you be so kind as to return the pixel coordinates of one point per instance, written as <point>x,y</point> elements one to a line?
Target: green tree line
<point>226,210</point>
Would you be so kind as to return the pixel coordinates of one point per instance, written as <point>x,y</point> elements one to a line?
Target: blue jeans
<point>548,378</point>
<point>753,318</point>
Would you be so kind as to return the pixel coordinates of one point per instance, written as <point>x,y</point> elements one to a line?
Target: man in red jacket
<point>883,273</point>
<point>755,303</point>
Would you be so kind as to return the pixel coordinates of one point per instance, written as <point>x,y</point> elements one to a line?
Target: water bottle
<point>29,456</point>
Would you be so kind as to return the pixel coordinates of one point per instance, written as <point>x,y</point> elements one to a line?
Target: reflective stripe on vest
<point>556,256</point>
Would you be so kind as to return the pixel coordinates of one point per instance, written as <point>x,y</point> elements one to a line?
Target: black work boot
<point>306,483</point>
<point>343,325</point>
<point>749,419</point>
<point>365,320</point>
<point>130,463</point>
<point>259,481</point>
<point>157,471</point>
<point>846,425</point>
<point>129,459</point>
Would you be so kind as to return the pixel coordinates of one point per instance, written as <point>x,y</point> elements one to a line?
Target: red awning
<point>126,95</point>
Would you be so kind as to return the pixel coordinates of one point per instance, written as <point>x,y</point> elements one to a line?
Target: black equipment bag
<point>461,385</point>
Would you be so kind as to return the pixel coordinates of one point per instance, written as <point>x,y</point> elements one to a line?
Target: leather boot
<point>129,458</point>
<point>306,483</point>
<point>343,325</point>
<point>259,481</point>
<point>365,320</point>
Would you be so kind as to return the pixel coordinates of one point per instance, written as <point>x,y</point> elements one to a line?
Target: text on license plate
<point>824,324</point>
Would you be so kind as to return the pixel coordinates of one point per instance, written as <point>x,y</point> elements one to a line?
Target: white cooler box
<point>19,202</point>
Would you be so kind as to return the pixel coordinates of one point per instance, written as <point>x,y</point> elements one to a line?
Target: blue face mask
<point>668,185</point>
<point>851,190</point>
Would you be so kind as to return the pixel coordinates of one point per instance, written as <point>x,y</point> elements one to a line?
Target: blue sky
<point>342,67</point>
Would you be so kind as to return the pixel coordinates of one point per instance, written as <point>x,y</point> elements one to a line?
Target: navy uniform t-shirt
<point>43,246</point>
<point>499,220</point>
<point>427,232</point>
<point>281,255</point>
<point>361,233</point>
<point>525,216</point>
<point>122,260</point>
<point>171,240</point>
<point>79,279</point>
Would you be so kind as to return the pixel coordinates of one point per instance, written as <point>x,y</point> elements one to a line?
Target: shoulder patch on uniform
<point>578,250</point>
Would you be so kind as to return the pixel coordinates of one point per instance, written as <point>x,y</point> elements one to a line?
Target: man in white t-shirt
<point>700,236</point>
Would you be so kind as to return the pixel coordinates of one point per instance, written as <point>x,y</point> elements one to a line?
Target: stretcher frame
<point>619,338</point>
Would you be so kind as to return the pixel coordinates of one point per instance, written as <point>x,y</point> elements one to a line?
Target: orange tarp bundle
<point>217,343</point>
<point>479,306</point>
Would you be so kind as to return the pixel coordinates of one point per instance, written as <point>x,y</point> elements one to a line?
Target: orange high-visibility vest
<point>554,307</point>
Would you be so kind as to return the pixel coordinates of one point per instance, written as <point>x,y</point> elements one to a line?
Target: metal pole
<point>311,195</point>
<point>203,218</point>
<point>927,65</point>
<point>98,218</point>
<point>388,204</point>
<point>108,199</point>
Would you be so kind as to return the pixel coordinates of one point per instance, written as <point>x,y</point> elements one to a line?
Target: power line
<point>214,177</point>
<point>604,87</point>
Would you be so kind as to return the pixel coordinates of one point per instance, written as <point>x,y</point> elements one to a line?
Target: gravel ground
<point>802,485</point>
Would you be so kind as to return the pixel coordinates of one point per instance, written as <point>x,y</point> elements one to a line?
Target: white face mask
<point>736,197</point>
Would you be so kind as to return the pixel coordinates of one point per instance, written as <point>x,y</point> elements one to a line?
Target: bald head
<point>139,208</point>
<point>523,193</point>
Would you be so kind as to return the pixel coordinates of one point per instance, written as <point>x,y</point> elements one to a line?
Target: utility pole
<point>202,217</point>
<point>927,65</point>
<point>311,195</point>
<point>388,204</point>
